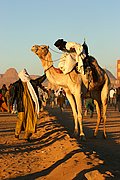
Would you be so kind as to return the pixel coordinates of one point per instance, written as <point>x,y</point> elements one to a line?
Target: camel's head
<point>41,51</point>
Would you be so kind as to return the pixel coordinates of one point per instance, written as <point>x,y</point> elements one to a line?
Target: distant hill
<point>11,75</point>
<point>111,76</point>
<point>8,77</point>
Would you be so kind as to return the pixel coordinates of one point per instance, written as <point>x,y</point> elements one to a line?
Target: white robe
<point>68,60</point>
<point>25,77</point>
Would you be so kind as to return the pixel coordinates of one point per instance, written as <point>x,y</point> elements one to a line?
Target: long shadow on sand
<point>107,149</point>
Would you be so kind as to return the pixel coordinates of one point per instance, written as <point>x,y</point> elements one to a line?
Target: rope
<point>54,60</point>
<point>61,54</point>
<point>55,51</point>
<point>57,58</point>
<point>48,68</point>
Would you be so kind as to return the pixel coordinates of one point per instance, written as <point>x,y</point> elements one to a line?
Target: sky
<point>25,23</point>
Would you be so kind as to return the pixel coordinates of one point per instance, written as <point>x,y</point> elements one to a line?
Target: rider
<point>85,62</point>
<point>72,47</point>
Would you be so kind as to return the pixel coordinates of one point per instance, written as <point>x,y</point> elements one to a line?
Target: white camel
<point>72,83</point>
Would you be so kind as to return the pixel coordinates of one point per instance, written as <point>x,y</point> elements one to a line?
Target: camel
<point>73,83</point>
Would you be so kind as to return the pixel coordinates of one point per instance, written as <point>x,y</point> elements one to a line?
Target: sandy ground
<point>53,154</point>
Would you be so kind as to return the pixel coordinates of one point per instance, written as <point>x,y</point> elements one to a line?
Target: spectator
<point>3,105</point>
<point>26,94</point>
<point>89,106</point>
<point>61,100</point>
<point>1,100</point>
<point>4,90</point>
<point>52,98</point>
<point>43,96</point>
<point>112,93</point>
<point>118,98</point>
<point>14,105</point>
<point>9,98</point>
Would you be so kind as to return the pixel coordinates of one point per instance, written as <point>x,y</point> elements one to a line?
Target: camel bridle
<point>48,68</point>
<point>57,59</point>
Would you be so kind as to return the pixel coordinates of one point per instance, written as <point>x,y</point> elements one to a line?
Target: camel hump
<point>97,71</point>
<point>93,62</point>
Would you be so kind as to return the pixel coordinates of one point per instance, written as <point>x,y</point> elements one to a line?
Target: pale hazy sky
<point>27,22</point>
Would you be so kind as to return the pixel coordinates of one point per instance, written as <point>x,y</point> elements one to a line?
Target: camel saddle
<point>90,63</point>
<point>91,66</point>
<point>58,70</point>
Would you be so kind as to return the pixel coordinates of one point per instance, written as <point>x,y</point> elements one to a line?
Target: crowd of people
<point>53,98</point>
<point>6,94</point>
<point>17,99</point>
<point>57,98</point>
<point>114,98</point>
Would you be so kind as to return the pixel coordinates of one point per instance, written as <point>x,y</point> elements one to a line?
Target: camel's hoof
<point>94,135</point>
<point>82,138</point>
<point>104,136</point>
<point>76,134</point>
<point>72,135</point>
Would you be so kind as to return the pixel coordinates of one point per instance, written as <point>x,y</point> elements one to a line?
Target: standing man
<point>61,100</point>
<point>118,98</point>
<point>26,95</point>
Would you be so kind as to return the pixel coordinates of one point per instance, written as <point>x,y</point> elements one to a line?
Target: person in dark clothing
<point>26,95</point>
<point>61,100</point>
<point>85,47</point>
<point>3,105</point>
<point>61,45</point>
<point>89,105</point>
<point>4,90</point>
<point>118,98</point>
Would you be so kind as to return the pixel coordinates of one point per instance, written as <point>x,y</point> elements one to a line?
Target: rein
<point>55,59</point>
<point>55,51</point>
<point>52,60</point>
<point>48,68</point>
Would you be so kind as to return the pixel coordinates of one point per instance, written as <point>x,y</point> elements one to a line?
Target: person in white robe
<point>74,53</point>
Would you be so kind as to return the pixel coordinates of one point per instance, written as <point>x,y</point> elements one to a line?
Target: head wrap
<point>60,44</point>
<point>25,77</point>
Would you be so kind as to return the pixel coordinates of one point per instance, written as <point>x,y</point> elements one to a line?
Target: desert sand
<point>53,154</point>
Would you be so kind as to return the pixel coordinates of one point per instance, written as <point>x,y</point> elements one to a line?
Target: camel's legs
<point>98,109</point>
<point>79,110</point>
<point>73,106</point>
<point>104,119</point>
<point>104,98</point>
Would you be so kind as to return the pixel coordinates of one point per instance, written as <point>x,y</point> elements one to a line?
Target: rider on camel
<point>85,62</point>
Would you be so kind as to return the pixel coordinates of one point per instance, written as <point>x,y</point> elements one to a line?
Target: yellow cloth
<point>28,118</point>
<point>25,77</point>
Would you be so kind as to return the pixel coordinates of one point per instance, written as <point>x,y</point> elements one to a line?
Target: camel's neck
<point>52,75</point>
<point>47,62</point>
